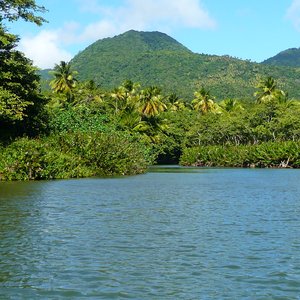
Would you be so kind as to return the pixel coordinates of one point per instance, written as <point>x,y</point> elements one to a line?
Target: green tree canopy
<point>204,102</point>
<point>151,101</point>
<point>64,80</point>
<point>267,91</point>
<point>20,100</point>
<point>13,10</point>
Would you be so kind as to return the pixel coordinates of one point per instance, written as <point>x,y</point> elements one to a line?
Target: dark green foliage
<point>74,155</point>
<point>288,58</point>
<point>137,42</point>
<point>270,154</point>
<point>85,130</point>
<point>108,153</point>
<point>172,143</point>
<point>13,10</point>
<point>64,81</point>
<point>21,104</point>
<point>32,159</point>
<point>74,119</point>
<point>271,121</point>
<point>153,58</point>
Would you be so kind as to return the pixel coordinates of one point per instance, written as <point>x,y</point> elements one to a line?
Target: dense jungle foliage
<point>289,58</point>
<point>77,128</point>
<point>153,58</point>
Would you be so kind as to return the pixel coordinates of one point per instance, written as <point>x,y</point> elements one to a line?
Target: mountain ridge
<point>154,58</point>
<point>289,57</point>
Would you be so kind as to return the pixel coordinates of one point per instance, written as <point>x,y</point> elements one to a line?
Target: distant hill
<point>46,77</point>
<point>289,58</point>
<point>154,58</point>
<point>45,74</point>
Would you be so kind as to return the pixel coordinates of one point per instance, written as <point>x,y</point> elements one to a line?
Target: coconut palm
<point>64,80</point>
<point>118,95</point>
<point>125,97</point>
<point>281,96</point>
<point>230,105</point>
<point>89,93</point>
<point>151,102</point>
<point>174,103</point>
<point>152,128</point>
<point>130,87</point>
<point>267,91</point>
<point>204,102</point>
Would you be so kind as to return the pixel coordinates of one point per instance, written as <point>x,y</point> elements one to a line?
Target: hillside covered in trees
<point>154,58</point>
<point>287,58</point>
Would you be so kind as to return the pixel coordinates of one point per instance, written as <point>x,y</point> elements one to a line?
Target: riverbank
<point>74,155</point>
<point>78,155</point>
<point>264,155</point>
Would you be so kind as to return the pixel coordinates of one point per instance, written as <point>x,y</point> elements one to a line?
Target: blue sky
<point>253,29</point>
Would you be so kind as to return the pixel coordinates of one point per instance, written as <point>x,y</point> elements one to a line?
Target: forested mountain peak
<point>137,41</point>
<point>289,57</point>
<point>156,59</point>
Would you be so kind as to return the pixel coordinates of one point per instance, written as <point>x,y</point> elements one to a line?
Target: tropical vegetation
<point>155,59</point>
<point>78,128</point>
<point>287,58</point>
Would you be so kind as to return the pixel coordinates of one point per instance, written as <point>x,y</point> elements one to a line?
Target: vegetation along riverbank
<point>79,128</point>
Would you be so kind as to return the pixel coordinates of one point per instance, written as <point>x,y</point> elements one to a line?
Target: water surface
<point>173,233</point>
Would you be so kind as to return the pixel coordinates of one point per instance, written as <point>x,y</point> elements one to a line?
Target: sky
<point>252,29</point>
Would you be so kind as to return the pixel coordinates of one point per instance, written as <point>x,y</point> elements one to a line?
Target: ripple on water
<point>205,234</point>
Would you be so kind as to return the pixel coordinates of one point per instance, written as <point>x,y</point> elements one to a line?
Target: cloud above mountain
<point>111,19</point>
<point>146,15</point>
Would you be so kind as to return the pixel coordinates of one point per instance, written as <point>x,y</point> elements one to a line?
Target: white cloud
<point>98,30</point>
<point>145,15</point>
<point>48,46</point>
<point>44,49</point>
<point>68,34</point>
<point>293,13</point>
<point>184,13</point>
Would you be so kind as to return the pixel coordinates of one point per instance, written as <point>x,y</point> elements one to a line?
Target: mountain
<point>45,74</point>
<point>289,57</point>
<point>138,41</point>
<point>154,58</point>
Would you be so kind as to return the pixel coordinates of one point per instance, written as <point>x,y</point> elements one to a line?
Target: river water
<point>173,233</point>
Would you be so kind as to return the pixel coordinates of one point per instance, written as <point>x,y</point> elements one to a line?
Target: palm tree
<point>152,128</point>
<point>89,93</point>
<point>230,105</point>
<point>281,96</point>
<point>118,95</point>
<point>130,87</point>
<point>151,102</point>
<point>267,90</point>
<point>125,97</point>
<point>203,101</point>
<point>175,103</point>
<point>64,80</point>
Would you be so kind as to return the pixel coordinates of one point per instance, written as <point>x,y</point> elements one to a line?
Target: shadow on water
<point>176,169</point>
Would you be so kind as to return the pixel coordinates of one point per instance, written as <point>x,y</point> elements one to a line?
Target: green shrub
<point>33,159</point>
<point>107,153</point>
<point>77,118</point>
<point>74,155</point>
<point>269,154</point>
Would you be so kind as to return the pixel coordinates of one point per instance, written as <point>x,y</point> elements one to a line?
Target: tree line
<point>79,129</point>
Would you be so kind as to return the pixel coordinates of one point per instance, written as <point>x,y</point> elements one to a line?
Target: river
<point>173,233</point>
